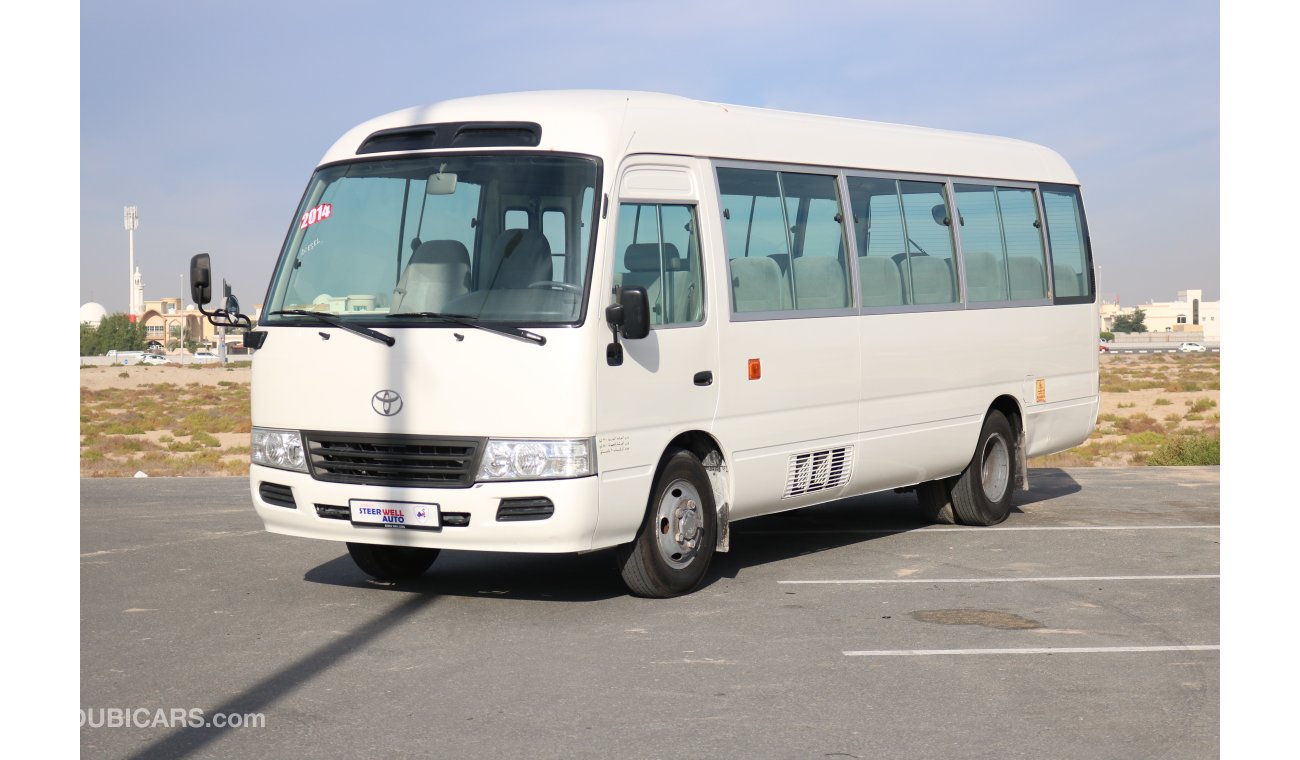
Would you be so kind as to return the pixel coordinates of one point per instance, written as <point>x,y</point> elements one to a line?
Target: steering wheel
<point>555,285</point>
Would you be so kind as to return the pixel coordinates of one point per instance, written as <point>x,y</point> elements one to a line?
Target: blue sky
<point>210,116</point>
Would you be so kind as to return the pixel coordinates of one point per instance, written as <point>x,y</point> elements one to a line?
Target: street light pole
<point>180,309</point>
<point>130,220</point>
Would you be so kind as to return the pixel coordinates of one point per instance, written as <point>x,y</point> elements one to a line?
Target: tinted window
<point>1002,244</point>
<point>1067,234</point>
<point>785,240</point>
<point>905,246</point>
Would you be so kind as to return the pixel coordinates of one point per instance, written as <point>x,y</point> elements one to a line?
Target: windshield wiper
<point>328,319</point>
<point>468,321</point>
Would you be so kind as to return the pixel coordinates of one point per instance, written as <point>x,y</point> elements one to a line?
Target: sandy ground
<point>98,378</point>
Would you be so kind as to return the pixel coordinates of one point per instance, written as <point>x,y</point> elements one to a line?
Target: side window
<point>905,243</point>
<point>657,248</point>
<point>1002,244</point>
<point>516,219</point>
<point>553,229</point>
<point>784,233</point>
<point>1067,234</point>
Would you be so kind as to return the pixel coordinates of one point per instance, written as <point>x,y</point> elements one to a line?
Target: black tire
<point>982,493</point>
<point>675,544</point>
<point>392,563</point>
<point>935,500</point>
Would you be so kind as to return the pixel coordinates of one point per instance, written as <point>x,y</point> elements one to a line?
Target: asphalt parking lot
<point>1086,626</point>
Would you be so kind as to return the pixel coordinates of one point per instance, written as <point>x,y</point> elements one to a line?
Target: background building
<point>1189,317</point>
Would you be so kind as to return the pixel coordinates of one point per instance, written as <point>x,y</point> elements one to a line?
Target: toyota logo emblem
<point>386,402</point>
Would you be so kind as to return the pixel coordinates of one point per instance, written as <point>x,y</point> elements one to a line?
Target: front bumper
<point>568,529</point>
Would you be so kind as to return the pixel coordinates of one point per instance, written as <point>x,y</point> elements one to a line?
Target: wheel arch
<point>707,449</point>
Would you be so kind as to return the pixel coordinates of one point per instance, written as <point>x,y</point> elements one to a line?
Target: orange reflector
<point>755,369</point>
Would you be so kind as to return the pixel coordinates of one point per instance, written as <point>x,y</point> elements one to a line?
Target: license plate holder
<point>408,515</point>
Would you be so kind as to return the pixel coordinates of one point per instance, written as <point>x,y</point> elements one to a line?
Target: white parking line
<point>828,531</point>
<point>1029,650</point>
<point>1063,579</point>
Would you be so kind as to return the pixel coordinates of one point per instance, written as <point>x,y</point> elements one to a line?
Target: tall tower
<point>131,220</point>
<point>137,294</point>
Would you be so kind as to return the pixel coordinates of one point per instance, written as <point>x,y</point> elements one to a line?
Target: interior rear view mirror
<point>442,183</point>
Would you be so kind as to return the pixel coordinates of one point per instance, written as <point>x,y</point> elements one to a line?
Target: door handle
<point>704,378</point>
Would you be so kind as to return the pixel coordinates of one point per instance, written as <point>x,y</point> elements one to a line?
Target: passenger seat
<point>437,272</point>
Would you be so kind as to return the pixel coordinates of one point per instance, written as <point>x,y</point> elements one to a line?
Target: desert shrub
<point>1163,402</point>
<point>1148,439</point>
<point>205,439</point>
<point>1196,449</point>
<point>1139,423</point>
<point>1202,404</point>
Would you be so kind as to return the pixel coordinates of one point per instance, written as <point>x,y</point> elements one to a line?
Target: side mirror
<point>232,305</point>
<point>201,279</point>
<point>635,306</point>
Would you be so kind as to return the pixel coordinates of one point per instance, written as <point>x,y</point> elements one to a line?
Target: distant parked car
<point>1189,348</point>
<point>1103,348</point>
<point>152,359</point>
<point>204,357</point>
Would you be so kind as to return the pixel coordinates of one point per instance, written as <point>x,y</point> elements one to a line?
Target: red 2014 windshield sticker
<point>318,214</point>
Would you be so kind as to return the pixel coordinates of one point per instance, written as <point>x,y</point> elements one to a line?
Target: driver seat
<point>521,257</point>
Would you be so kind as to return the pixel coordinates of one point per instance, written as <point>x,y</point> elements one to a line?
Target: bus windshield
<point>501,238</point>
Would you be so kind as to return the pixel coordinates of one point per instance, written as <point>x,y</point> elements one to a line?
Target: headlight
<point>279,448</point>
<point>536,459</point>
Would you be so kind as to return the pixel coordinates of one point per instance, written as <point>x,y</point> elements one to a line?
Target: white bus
<point>569,321</point>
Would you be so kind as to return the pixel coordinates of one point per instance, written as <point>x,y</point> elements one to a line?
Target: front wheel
<point>392,563</point>
<point>982,493</point>
<point>672,550</point>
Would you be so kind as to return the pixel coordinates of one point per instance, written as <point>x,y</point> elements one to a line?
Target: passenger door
<point>666,382</point>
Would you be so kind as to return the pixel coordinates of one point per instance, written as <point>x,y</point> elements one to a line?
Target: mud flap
<point>717,471</point>
<point>1022,462</point>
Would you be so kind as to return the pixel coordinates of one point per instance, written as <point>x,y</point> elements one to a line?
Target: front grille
<point>392,460</point>
<point>274,493</point>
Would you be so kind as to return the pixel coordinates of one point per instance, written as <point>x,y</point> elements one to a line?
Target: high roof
<point>614,123</point>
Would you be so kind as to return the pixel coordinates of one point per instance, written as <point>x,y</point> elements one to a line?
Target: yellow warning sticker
<point>1040,390</point>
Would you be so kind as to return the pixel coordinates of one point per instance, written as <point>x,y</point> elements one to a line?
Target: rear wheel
<point>982,493</point>
<point>935,500</point>
<point>392,563</point>
<point>672,550</point>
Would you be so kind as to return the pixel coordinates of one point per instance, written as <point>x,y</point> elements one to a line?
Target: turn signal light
<point>755,369</point>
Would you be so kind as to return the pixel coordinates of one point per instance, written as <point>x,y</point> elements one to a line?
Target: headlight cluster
<point>279,448</point>
<point>536,459</point>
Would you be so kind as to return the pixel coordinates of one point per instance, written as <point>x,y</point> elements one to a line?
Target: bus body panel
<point>453,381</point>
<point>805,401</point>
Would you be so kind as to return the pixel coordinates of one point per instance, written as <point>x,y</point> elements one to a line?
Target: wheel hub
<point>679,520</point>
<point>995,468</point>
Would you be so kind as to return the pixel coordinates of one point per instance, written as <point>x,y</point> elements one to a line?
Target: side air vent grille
<point>818,471</point>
